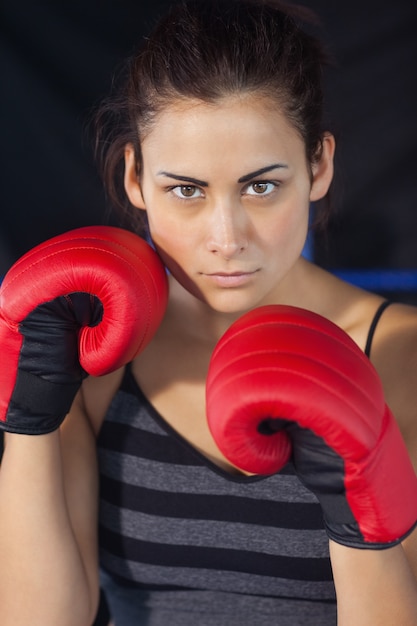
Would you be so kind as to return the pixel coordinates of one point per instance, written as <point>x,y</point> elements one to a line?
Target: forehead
<point>245,122</point>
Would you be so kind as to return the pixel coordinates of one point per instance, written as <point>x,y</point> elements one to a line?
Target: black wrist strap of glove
<point>38,406</point>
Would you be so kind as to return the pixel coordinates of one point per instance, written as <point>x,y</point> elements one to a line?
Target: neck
<point>194,318</point>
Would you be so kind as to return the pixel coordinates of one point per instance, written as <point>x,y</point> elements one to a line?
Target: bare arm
<point>374,587</point>
<point>48,512</point>
<point>379,587</point>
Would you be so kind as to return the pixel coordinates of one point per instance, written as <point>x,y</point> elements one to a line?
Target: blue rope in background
<point>380,280</point>
<point>377,280</point>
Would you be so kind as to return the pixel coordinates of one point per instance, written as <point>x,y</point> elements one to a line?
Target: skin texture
<point>231,240</point>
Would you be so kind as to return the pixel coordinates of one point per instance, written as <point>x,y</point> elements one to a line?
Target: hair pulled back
<point>209,49</point>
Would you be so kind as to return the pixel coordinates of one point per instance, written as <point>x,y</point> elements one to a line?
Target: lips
<point>231,279</point>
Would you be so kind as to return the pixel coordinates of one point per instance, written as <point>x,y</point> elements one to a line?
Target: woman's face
<point>227,189</point>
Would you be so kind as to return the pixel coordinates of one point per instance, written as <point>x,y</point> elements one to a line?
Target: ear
<point>323,169</point>
<point>131,179</point>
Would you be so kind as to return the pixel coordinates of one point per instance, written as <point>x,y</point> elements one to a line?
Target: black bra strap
<point>373,325</point>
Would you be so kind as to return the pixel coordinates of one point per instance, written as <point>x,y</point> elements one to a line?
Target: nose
<point>228,231</point>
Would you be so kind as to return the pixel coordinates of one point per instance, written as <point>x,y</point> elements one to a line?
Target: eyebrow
<point>242,179</point>
<point>187,179</point>
<point>262,170</point>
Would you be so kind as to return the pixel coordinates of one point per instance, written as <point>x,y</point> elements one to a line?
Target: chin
<point>235,306</point>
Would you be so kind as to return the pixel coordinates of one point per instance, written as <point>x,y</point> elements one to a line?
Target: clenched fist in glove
<point>85,302</point>
<point>286,382</point>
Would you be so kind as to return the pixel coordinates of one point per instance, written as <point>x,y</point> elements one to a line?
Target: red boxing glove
<point>281,379</point>
<point>85,302</point>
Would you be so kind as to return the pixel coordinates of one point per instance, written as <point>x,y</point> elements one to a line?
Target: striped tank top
<point>181,538</point>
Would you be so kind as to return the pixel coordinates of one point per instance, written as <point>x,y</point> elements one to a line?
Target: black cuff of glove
<point>350,536</point>
<point>342,527</point>
<point>38,406</point>
<point>33,425</point>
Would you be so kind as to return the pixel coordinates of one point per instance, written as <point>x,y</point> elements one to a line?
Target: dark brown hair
<point>208,49</point>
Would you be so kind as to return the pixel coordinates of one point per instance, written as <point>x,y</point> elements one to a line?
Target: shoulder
<point>394,354</point>
<point>393,349</point>
<point>394,346</point>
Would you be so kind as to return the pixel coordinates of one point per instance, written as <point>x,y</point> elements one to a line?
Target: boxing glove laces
<point>84,302</point>
<point>287,384</point>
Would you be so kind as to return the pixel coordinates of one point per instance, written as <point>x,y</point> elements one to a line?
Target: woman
<point>217,142</point>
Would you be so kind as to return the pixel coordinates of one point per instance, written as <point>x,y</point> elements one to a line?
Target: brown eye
<point>261,188</point>
<point>187,191</point>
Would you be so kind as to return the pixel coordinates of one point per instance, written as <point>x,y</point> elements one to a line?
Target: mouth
<point>231,279</point>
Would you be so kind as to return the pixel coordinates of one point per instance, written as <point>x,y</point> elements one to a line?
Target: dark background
<point>57,60</point>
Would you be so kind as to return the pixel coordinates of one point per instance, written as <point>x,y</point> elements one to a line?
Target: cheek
<point>173,240</point>
<point>289,231</point>
<point>176,245</point>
